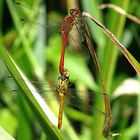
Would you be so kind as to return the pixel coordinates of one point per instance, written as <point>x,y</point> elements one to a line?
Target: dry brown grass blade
<point>121,11</point>
<point>124,51</point>
<point>108,118</point>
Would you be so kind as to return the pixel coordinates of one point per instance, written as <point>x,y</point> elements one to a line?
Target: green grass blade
<point>139,112</point>
<point>116,26</point>
<point>25,41</point>
<point>91,7</point>
<point>37,104</point>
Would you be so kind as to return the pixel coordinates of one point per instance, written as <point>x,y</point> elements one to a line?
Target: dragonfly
<point>76,21</point>
<point>69,32</point>
<point>62,88</point>
<point>66,95</point>
<point>76,18</point>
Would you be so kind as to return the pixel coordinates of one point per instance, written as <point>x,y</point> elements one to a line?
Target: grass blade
<point>37,104</point>
<point>124,51</point>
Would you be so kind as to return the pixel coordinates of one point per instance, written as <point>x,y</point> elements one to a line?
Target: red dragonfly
<point>66,27</point>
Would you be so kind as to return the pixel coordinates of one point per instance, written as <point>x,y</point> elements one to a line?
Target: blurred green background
<point>35,45</point>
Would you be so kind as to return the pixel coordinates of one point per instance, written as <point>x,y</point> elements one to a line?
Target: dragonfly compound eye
<point>74,11</point>
<point>71,11</point>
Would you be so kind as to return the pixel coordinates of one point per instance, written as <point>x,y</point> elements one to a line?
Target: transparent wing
<point>85,101</point>
<point>32,17</point>
<point>29,18</point>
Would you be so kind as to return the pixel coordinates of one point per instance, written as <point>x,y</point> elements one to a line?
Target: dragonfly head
<point>64,75</point>
<point>63,82</point>
<point>75,12</point>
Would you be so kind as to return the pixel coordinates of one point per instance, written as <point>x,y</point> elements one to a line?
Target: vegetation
<point>28,46</point>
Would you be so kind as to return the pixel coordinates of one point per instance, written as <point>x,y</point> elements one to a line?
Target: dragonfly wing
<point>45,89</point>
<point>85,101</point>
<point>30,18</point>
<point>82,100</point>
